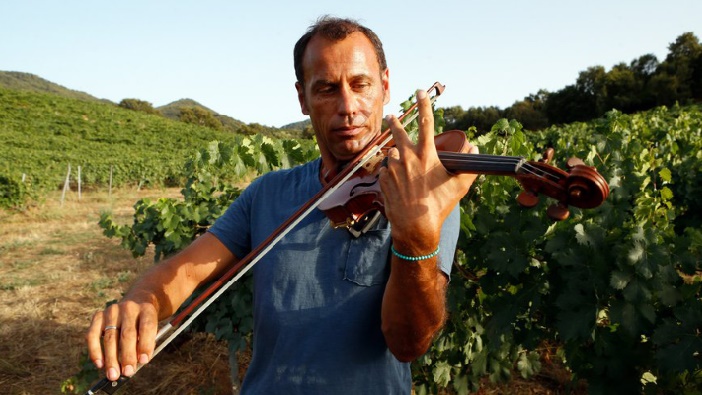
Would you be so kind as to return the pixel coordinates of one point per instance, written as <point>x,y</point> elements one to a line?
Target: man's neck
<point>328,172</point>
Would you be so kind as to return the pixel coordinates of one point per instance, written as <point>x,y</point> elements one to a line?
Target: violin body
<point>357,203</point>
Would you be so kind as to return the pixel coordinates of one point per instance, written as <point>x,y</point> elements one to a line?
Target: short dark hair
<point>335,29</point>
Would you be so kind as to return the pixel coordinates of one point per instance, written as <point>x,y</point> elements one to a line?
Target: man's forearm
<point>413,306</point>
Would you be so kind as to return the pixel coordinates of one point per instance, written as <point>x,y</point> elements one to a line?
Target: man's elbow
<point>408,352</point>
<point>410,344</point>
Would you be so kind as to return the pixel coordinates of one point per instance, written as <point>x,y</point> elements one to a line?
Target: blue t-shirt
<point>317,293</point>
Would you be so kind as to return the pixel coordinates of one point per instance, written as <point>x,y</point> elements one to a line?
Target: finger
<point>148,327</point>
<point>110,340</point>
<point>392,157</point>
<point>473,149</point>
<point>425,137</point>
<point>468,178</point>
<point>128,338</point>
<point>92,337</point>
<point>399,135</point>
<point>393,154</point>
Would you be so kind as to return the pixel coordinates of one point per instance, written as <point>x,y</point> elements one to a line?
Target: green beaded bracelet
<point>414,258</point>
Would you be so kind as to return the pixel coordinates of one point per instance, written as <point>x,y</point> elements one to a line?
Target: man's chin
<point>350,149</point>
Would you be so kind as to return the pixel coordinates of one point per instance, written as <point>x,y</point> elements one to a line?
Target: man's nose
<point>348,104</point>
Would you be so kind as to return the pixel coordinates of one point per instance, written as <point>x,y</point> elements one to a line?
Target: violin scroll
<point>580,186</point>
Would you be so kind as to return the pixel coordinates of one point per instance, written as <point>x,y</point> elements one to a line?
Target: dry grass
<point>57,269</point>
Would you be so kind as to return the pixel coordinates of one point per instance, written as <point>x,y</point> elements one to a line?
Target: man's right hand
<point>122,336</point>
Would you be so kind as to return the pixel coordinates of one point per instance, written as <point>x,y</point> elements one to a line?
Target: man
<point>333,313</point>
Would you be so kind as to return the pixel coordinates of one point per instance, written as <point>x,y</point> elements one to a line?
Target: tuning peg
<point>558,212</point>
<point>572,162</point>
<point>547,156</point>
<point>528,199</point>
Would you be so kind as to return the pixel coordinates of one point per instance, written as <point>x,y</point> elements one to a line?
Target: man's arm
<point>419,194</point>
<point>154,297</point>
<point>413,307</point>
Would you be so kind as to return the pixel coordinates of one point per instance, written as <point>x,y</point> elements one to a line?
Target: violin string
<point>542,173</point>
<point>487,159</point>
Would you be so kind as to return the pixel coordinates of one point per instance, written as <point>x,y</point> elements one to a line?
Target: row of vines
<point>41,135</point>
<point>616,289</point>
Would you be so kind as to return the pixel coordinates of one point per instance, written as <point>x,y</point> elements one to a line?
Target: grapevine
<point>616,289</point>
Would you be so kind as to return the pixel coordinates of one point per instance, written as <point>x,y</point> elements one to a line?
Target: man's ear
<point>385,78</point>
<point>301,98</point>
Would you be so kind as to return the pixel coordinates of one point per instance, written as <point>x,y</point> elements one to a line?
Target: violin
<point>357,204</point>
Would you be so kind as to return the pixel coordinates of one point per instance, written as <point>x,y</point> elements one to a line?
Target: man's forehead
<point>353,51</point>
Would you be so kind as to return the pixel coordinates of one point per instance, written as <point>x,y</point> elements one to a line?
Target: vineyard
<point>613,293</point>
<point>615,290</point>
<point>41,135</point>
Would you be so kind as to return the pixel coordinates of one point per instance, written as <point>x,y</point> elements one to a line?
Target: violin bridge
<point>343,224</point>
<point>364,224</point>
<point>360,226</point>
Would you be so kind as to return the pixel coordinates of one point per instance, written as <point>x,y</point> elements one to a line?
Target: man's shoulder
<point>306,174</point>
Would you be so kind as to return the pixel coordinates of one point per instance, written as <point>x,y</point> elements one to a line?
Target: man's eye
<point>325,90</point>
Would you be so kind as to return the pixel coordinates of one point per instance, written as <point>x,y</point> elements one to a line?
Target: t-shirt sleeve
<point>449,238</point>
<point>233,228</point>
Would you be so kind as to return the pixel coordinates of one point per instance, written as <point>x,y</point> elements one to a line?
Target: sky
<point>235,57</point>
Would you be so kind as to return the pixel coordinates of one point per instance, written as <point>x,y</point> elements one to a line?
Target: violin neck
<point>481,163</point>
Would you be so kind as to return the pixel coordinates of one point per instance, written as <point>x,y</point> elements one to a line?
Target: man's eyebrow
<point>327,82</point>
<point>323,82</point>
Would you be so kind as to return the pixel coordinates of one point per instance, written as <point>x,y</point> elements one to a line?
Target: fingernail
<point>143,358</point>
<point>98,363</point>
<point>388,118</point>
<point>421,94</point>
<point>128,370</point>
<point>112,374</point>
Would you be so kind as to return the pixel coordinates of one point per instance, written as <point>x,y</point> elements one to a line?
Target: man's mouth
<point>348,131</point>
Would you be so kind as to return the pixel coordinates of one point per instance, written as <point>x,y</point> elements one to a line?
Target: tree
<point>482,118</point>
<point>665,88</point>
<point>680,66</point>
<point>568,105</point>
<point>139,105</point>
<point>645,66</point>
<point>622,89</point>
<point>592,85</point>
<point>697,78</point>
<point>200,116</point>
<point>308,132</point>
<point>530,112</point>
<point>453,116</point>
<point>644,69</point>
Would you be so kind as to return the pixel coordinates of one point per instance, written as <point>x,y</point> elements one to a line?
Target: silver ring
<point>107,328</point>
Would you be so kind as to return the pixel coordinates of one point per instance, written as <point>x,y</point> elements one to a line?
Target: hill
<point>188,110</point>
<point>44,136</point>
<point>42,133</point>
<point>30,82</point>
<point>174,109</point>
<point>196,112</point>
<point>302,125</point>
